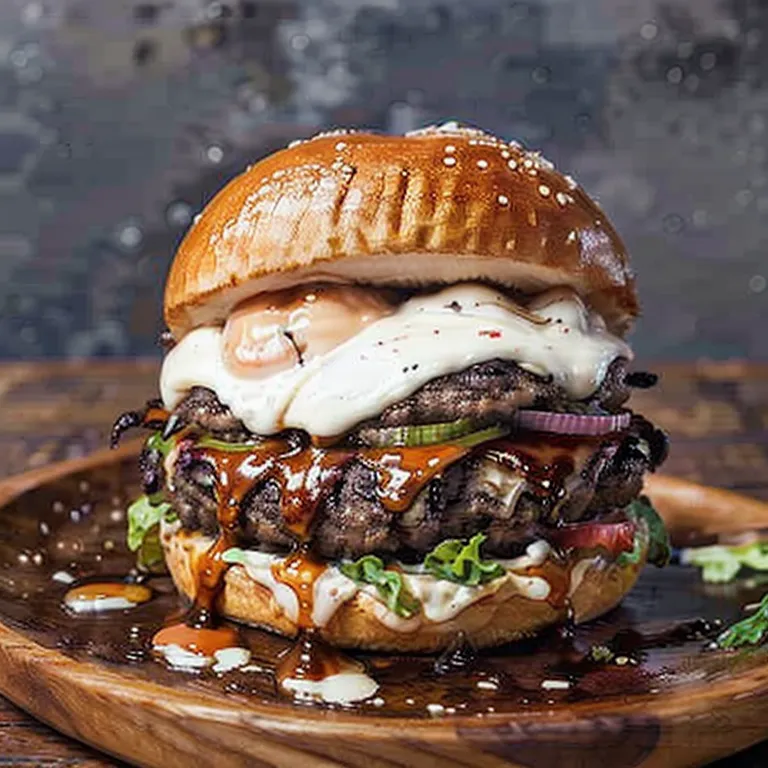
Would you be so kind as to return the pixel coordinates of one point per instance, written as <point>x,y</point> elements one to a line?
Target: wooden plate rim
<point>17,648</point>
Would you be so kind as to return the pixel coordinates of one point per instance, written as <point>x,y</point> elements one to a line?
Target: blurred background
<point>118,120</point>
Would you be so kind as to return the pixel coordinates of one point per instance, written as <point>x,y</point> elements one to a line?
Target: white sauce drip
<point>579,571</point>
<point>441,600</point>
<point>228,659</point>
<point>427,337</point>
<point>180,658</point>
<point>258,566</point>
<point>330,591</point>
<point>98,604</point>
<point>343,688</point>
<point>223,660</point>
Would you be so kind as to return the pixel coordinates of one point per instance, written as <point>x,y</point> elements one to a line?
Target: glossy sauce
<point>402,473</point>
<point>198,640</point>
<point>544,461</point>
<point>310,658</point>
<point>306,474</point>
<point>558,576</point>
<point>300,571</point>
<point>104,596</point>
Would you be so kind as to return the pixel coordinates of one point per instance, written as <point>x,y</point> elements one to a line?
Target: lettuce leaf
<point>163,445</point>
<point>720,564</point>
<point>659,550</point>
<point>750,631</point>
<point>389,583</point>
<point>461,562</point>
<point>144,520</point>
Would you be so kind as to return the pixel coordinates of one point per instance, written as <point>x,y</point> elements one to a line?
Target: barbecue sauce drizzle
<point>306,474</point>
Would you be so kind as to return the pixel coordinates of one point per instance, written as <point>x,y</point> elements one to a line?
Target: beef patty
<point>488,392</point>
<point>476,494</point>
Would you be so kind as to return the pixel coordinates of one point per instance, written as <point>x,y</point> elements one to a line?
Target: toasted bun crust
<point>435,206</point>
<point>498,618</point>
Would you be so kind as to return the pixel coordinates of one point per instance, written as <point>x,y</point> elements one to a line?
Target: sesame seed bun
<point>436,206</point>
<point>500,616</point>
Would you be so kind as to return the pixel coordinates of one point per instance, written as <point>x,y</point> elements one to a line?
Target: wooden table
<point>717,414</point>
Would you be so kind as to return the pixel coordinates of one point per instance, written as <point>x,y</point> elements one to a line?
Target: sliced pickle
<point>461,431</point>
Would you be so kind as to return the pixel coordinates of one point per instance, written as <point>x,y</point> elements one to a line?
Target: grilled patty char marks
<point>474,495</point>
<point>486,392</point>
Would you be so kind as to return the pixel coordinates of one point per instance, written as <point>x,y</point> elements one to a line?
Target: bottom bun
<point>585,585</point>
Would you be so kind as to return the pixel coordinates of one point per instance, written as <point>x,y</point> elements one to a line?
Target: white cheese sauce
<point>441,600</point>
<point>343,688</point>
<point>427,337</point>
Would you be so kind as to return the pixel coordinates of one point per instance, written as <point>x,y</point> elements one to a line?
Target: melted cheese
<point>429,336</point>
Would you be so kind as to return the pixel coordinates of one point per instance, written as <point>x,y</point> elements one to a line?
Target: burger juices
<point>395,405</point>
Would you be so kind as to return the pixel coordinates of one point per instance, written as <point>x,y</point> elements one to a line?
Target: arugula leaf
<point>389,583</point>
<point>750,631</point>
<point>659,550</point>
<point>144,520</point>
<point>456,561</point>
<point>720,564</point>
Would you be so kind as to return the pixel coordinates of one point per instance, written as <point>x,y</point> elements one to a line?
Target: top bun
<point>435,206</point>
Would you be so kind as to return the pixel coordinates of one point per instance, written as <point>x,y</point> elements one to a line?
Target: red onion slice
<point>571,423</point>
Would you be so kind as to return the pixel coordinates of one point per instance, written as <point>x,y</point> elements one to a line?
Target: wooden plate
<point>665,700</point>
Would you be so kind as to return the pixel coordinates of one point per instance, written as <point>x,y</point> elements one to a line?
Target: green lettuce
<point>163,445</point>
<point>654,534</point>
<point>389,583</point>
<point>750,631</point>
<point>720,564</point>
<point>460,562</point>
<point>144,520</point>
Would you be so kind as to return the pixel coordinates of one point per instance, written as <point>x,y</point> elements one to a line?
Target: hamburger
<point>394,404</point>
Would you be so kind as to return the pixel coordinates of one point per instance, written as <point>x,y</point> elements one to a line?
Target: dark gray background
<point>119,119</point>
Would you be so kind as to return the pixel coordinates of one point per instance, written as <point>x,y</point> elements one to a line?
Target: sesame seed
<point>512,164</point>
<point>503,199</point>
<point>561,198</point>
<point>341,145</point>
<point>450,149</point>
<point>544,190</point>
<point>487,685</point>
<point>482,163</point>
<point>528,163</point>
<point>571,237</point>
<point>505,153</point>
<point>449,160</point>
<point>533,172</point>
<point>571,182</point>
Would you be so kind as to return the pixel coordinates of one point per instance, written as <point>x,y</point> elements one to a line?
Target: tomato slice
<point>615,538</point>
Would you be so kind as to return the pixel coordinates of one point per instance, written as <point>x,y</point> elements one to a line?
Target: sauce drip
<point>107,590</point>
<point>558,576</point>
<point>545,461</point>
<point>311,658</point>
<point>402,472</point>
<point>198,640</point>
<point>300,571</point>
<point>306,474</point>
